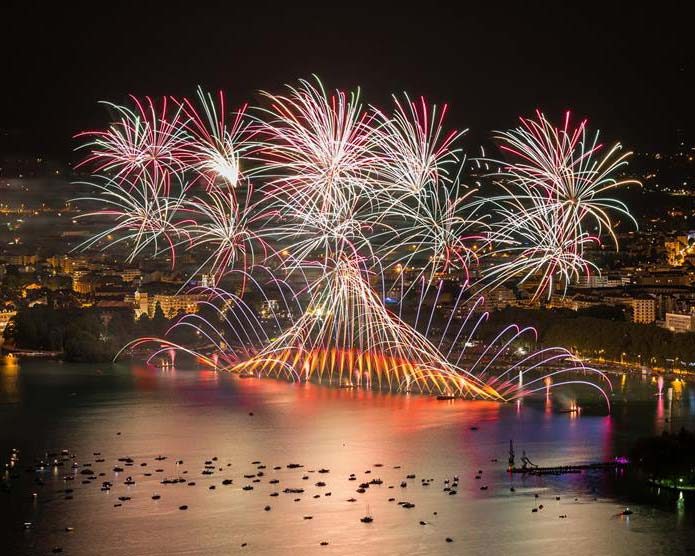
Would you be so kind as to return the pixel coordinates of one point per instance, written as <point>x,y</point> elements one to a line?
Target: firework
<point>554,201</point>
<point>217,220</point>
<point>570,167</point>
<point>214,146</point>
<point>321,163</point>
<point>142,215</point>
<point>535,243</point>
<point>416,151</point>
<point>147,141</point>
<point>311,202</point>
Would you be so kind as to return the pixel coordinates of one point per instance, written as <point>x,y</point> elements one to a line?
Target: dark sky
<point>627,67</point>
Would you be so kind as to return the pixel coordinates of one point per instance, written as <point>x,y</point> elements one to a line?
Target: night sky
<point>627,67</point>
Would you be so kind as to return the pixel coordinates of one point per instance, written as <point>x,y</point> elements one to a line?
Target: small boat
<point>367,518</point>
<point>626,511</point>
<point>446,397</point>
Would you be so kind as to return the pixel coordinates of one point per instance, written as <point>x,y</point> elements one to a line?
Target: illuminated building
<point>601,281</point>
<point>130,274</point>
<point>677,322</point>
<point>643,310</point>
<point>171,303</point>
<point>499,298</point>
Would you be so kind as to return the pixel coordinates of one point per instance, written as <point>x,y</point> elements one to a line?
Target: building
<point>643,309</point>
<point>663,278</point>
<point>130,274</point>
<point>602,281</point>
<point>65,264</point>
<point>20,259</point>
<point>500,297</point>
<point>678,322</point>
<point>82,281</point>
<point>172,303</point>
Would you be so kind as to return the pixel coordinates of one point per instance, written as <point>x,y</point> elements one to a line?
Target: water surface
<point>195,415</point>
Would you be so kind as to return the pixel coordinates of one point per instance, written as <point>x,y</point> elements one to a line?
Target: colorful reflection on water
<point>193,415</point>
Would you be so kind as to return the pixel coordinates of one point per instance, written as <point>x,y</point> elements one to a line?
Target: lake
<point>131,411</point>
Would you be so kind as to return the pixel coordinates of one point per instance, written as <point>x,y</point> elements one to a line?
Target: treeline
<point>81,334</point>
<point>669,458</point>
<point>599,331</point>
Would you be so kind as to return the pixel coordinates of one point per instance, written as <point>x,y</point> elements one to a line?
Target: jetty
<point>530,468</point>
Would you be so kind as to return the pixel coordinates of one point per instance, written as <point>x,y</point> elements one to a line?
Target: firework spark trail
<point>416,152</point>
<point>440,228</point>
<point>213,147</point>
<point>142,215</point>
<point>538,243</point>
<point>554,195</point>
<point>354,194</point>
<point>143,140</point>
<point>217,220</point>
<point>349,321</point>
<point>567,164</point>
<point>321,165</point>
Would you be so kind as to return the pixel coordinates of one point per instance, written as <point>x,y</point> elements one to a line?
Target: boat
<point>446,397</point>
<point>367,518</point>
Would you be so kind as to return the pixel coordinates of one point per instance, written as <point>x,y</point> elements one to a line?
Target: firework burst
<point>318,192</point>
<point>554,202</point>
<point>147,141</point>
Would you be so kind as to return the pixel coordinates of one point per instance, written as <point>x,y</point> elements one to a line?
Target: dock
<point>530,468</point>
<point>568,469</point>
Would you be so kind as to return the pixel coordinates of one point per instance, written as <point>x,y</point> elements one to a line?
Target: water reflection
<point>9,371</point>
<point>193,415</point>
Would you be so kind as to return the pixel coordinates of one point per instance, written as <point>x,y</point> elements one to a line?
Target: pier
<point>529,468</point>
